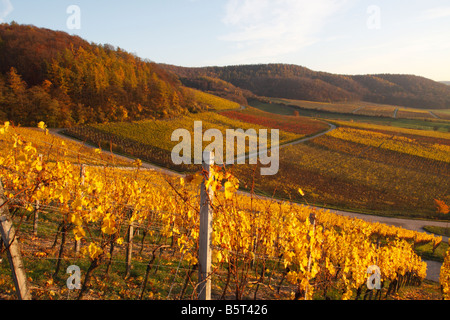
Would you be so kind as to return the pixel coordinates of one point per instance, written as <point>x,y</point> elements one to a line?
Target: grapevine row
<point>318,252</point>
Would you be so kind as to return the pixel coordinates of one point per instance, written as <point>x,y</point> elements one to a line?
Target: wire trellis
<point>179,272</point>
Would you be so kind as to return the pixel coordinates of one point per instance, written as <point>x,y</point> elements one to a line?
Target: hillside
<point>63,80</point>
<point>300,83</point>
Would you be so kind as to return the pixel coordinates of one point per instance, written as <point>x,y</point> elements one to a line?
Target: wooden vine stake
<point>312,220</point>
<point>129,249</point>
<point>13,250</point>
<point>204,256</point>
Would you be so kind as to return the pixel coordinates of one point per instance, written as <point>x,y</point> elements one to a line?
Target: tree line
<point>63,80</point>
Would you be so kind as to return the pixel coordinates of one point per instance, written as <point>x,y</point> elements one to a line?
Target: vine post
<point>82,176</point>
<point>129,249</point>
<point>8,235</point>
<point>312,220</point>
<point>204,255</point>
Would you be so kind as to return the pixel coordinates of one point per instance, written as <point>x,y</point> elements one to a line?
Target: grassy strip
<point>438,230</point>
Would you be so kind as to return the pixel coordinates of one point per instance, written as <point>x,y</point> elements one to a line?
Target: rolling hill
<point>300,83</point>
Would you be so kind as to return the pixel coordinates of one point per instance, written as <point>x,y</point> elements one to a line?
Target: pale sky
<point>337,36</point>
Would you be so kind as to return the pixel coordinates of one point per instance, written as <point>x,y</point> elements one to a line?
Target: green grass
<point>273,108</point>
<point>426,251</point>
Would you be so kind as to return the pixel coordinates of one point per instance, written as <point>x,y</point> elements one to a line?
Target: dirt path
<point>356,110</point>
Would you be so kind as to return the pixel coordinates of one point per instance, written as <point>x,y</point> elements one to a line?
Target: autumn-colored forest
<point>63,80</point>
<point>300,83</point>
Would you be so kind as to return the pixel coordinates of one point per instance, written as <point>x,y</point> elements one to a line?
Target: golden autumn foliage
<point>444,277</point>
<point>441,206</point>
<point>316,249</point>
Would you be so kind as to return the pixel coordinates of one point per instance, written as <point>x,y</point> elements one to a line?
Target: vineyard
<point>399,144</point>
<point>324,106</point>
<point>443,114</point>
<point>378,111</point>
<point>212,102</point>
<point>367,168</point>
<point>134,234</point>
<point>366,109</point>
<point>294,124</point>
<point>68,150</point>
<point>413,114</point>
<point>150,140</point>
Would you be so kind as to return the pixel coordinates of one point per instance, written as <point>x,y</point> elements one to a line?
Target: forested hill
<point>296,82</point>
<point>63,80</point>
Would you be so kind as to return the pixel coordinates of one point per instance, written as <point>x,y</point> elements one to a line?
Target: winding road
<point>415,225</point>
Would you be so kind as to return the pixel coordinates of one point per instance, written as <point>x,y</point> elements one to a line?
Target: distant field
<point>294,124</point>
<point>440,125</point>
<point>377,165</point>
<point>330,107</point>
<point>365,168</point>
<point>407,113</point>
<point>377,111</point>
<point>213,102</point>
<point>443,137</point>
<point>364,108</point>
<point>273,108</point>
<point>443,114</point>
<point>390,140</point>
